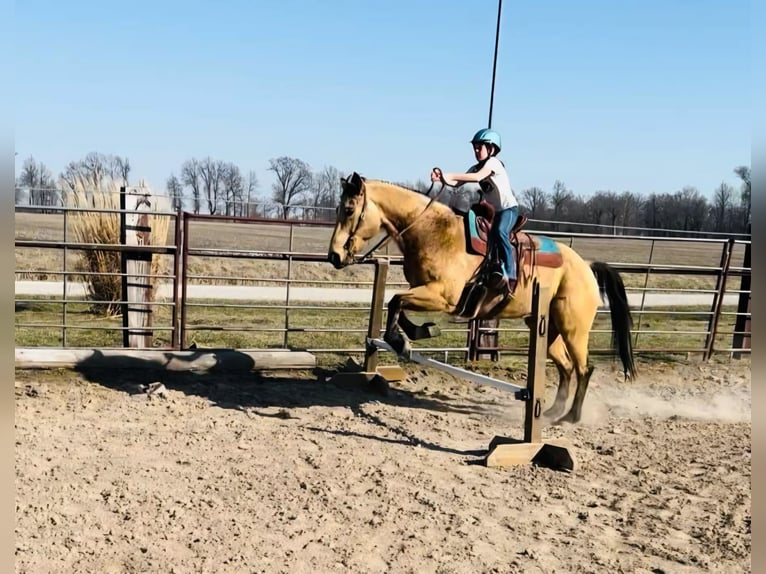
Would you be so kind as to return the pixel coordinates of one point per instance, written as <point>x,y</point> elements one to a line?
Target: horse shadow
<point>240,386</point>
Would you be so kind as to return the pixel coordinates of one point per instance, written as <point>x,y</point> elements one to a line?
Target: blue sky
<point>646,96</point>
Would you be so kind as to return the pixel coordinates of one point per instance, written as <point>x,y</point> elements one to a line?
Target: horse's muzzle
<point>335,259</point>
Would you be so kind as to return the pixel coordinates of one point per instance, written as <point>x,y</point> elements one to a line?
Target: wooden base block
<point>555,454</point>
<point>354,381</point>
<point>392,373</point>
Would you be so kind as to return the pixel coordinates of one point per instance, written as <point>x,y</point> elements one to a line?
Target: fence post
<point>184,280</point>
<point>483,339</point>
<point>741,338</point>
<point>720,289</point>
<point>135,267</point>
<point>178,242</point>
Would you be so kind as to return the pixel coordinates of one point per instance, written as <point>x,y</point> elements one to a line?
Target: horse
<point>438,265</point>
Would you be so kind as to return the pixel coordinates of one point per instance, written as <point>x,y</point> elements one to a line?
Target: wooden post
<point>370,372</point>
<point>135,229</point>
<point>536,358</point>
<point>376,312</point>
<point>557,454</point>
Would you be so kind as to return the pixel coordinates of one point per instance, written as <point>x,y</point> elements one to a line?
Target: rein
<point>390,229</point>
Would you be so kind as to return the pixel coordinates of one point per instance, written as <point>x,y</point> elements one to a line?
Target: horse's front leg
<point>393,335</point>
<point>423,298</point>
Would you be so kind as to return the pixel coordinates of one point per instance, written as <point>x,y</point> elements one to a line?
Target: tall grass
<point>101,269</point>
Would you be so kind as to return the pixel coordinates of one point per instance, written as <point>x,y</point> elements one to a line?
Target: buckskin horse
<point>441,256</point>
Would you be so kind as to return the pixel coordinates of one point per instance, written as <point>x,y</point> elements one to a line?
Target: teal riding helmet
<point>489,136</point>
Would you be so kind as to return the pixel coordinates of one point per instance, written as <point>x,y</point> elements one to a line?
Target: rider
<point>489,178</point>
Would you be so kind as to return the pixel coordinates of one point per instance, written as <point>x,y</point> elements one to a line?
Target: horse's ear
<point>354,184</point>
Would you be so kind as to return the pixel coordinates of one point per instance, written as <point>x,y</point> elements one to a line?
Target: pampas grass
<point>101,269</point>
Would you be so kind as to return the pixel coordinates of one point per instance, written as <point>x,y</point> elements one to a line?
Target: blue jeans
<point>501,239</point>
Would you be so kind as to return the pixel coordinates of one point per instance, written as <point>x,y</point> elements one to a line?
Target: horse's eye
<point>349,211</point>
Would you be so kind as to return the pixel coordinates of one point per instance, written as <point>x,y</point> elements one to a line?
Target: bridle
<point>349,241</point>
<point>391,231</point>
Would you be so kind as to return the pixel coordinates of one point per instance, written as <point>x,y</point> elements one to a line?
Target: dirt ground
<point>290,473</point>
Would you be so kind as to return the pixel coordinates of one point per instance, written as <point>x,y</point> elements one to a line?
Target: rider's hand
<point>436,174</point>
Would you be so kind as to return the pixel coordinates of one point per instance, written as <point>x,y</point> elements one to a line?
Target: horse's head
<point>358,220</point>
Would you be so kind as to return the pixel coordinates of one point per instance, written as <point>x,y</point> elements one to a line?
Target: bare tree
<point>176,192</point>
<point>722,203</point>
<point>651,211</point>
<point>420,186</point>
<point>95,166</point>
<point>612,208</point>
<point>324,193</point>
<point>190,176</point>
<point>120,169</point>
<point>90,172</point>
<point>683,210</point>
<point>743,172</point>
<point>535,202</point>
<point>596,208</point>
<point>615,210</point>
<point>690,211</point>
<point>631,208</point>
<point>559,199</point>
<point>233,189</point>
<point>39,180</point>
<point>575,210</point>
<point>251,191</point>
<point>211,178</point>
<point>293,181</point>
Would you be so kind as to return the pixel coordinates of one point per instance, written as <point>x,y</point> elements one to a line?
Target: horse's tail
<point>610,284</point>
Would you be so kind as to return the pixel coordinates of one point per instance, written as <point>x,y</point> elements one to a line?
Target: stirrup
<point>470,303</point>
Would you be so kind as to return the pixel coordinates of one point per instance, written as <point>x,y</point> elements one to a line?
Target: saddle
<point>480,298</point>
<point>530,250</point>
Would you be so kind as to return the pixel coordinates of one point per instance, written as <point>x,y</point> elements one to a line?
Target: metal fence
<point>263,283</point>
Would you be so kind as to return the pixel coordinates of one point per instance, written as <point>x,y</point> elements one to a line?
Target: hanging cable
<point>494,63</point>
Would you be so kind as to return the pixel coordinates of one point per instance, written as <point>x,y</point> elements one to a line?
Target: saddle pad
<point>537,249</point>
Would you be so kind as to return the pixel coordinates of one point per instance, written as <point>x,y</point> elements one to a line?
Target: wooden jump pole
<point>503,451</point>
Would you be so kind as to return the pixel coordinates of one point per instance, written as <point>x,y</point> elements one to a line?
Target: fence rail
<point>262,283</point>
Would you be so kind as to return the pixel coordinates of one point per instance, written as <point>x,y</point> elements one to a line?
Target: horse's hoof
<point>552,414</point>
<point>401,346</point>
<point>568,418</point>
<point>405,353</point>
<point>425,331</point>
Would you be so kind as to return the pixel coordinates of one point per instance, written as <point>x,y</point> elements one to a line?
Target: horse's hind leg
<point>572,321</point>
<point>577,345</point>
<point>557,351</point>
